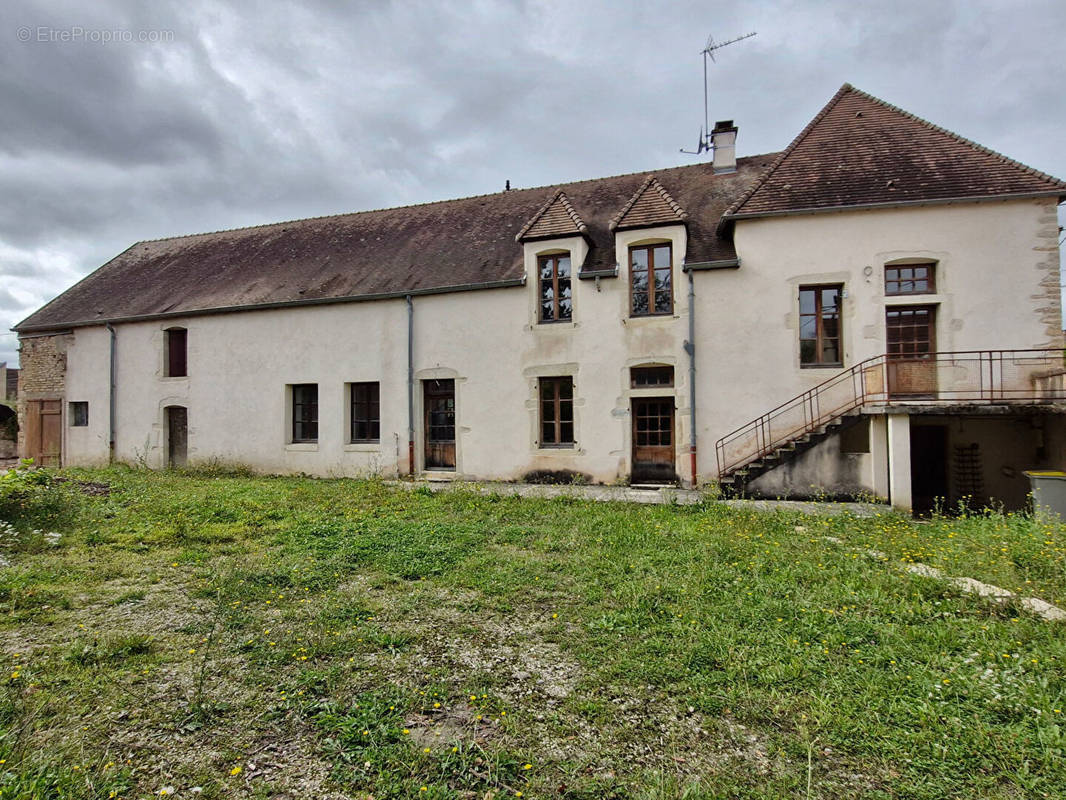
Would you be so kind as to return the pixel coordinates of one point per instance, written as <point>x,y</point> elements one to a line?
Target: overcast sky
<point>214,115</point>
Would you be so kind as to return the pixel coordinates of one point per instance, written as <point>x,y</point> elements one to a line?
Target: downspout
<point>111,400</point>
<point>410,386</point>
<point>690,348</point>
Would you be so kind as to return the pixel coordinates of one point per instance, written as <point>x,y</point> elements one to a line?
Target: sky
<point>123,120</point>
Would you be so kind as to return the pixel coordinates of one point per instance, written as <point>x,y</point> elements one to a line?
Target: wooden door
<point>439,410</point>
<point>44,432</point>
<point>911,332</point>
<point>653,440</point>
<point>177,435</point>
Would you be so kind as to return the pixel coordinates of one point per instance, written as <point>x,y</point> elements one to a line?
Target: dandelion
<point>235,771</point>
<point>406,732</point>
<point>527,766</point>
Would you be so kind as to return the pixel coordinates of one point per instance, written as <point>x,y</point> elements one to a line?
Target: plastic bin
<point>1049,493</point>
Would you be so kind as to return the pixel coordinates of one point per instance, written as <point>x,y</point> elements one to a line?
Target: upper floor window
<point>305,412</point>
<point>176,343</point>
<point>556,299</point>
<point>819,319</point>
<point>366,414</point>
<point>651,280</point>
<point>910,279</point>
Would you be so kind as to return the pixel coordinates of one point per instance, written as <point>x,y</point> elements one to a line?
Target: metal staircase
<point>972,377</point>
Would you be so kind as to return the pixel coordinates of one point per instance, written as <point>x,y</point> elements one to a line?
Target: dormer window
<point>556,298</point>
<point>651,280</point>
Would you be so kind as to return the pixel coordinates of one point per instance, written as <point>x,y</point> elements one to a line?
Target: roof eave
<point>319,301</point>
<point>729,218</point>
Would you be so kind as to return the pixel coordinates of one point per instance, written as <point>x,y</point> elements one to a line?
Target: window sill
<point>822,366</point>
<point>554,323</point>
<point>568,446</point>
<point>173,377</point>
<point>363,447</point>
<point>302,447</point>
<point>661,315</point>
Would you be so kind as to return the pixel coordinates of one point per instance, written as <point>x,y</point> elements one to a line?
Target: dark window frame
<point>820,337</point>
<point>176,352</point>
<point>894,348</point>
<point>78,411</point>
<point>551,393</point>
<point>650,271</point>
<point>896,280</point>
<point>555,282</point>
<point>304,414</point>
<point>651,376</point>
<point>364,412</point>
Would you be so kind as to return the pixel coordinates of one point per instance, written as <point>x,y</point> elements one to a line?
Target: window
<point>556,299</point>
<point>79,414</point>
<point>176,340</point>
<point>366,414</point>
<point>856,438</point>
<point>820,326</point>
<point>640,377</point>
<point>305,412</point>
<point>651,280</point>
<point>557,412</point>
<point>910,279</point>
<point>911,331</point>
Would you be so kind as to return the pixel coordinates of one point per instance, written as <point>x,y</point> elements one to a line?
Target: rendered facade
<point>874,310</point>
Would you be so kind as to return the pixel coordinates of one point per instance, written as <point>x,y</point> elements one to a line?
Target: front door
<point>44,432</point>
<point>911,334</point>
<point>177,435</point>
<point>653,440</point>
<point>439,405</point>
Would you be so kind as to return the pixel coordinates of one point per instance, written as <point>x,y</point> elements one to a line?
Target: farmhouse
<point>874,310</point>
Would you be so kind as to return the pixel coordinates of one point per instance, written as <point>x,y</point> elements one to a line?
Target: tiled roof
<point>860,150</point>
<point>650,205</point>
<point>430,247</point>
<point>555,218</point>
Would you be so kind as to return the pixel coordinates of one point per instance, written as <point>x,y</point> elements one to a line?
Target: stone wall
<point>1049,298</point>
<point>43,363</point>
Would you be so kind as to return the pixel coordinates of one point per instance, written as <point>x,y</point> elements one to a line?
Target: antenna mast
<point>705,143</point>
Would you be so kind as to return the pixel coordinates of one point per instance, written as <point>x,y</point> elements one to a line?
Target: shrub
<point>31,497</point>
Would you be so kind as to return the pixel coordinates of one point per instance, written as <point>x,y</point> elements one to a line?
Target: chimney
<point>724,144</point>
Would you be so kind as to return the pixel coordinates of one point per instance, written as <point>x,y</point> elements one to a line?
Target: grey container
<point>1049,493</point>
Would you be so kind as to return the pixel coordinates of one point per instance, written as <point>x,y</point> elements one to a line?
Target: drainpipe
<point>410,386</point>
<point>111,400</point>
<point>690,348</point>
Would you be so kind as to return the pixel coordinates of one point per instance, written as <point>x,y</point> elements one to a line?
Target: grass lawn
<point>215,636</point>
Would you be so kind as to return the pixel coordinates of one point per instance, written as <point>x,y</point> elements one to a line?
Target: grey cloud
<point>255,112</point>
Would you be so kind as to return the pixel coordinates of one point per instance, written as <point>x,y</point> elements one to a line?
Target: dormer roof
<point>650,205</point>
<point>553,220</point>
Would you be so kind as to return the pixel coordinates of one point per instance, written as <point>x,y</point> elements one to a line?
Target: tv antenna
<point>704,143</point>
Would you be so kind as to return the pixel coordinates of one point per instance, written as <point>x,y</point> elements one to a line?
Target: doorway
<point>929,467</point>
<point>911,334</point>
<point>653,440</point>
<point>439,411</point>
<point>177,435</point>
<point>44,432</point>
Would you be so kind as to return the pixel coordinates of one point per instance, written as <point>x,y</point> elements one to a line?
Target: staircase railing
<point>961,377</point>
